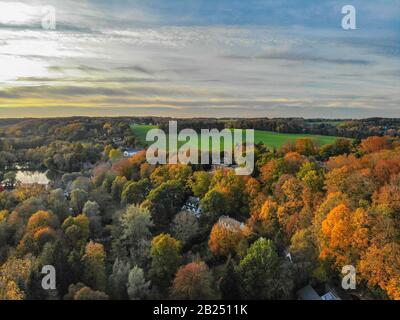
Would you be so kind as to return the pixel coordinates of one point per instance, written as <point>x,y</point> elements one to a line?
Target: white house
<point>193,205</point>
<point>130,152</point>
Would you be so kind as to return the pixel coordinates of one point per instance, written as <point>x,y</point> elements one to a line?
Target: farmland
<point>270,139</point>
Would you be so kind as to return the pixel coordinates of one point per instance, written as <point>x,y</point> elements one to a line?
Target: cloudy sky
<point>223,58</point>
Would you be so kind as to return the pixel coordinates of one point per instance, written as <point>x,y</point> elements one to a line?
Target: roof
<point>330,296</point>
<point>308,293</point>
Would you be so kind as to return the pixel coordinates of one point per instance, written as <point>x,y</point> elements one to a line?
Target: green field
<point>275,139</point>
<point>270,139</point>
<point>140,131</point>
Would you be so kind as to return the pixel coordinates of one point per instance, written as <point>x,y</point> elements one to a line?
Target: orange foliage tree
<point>228,236</point>
<point>193,281</point>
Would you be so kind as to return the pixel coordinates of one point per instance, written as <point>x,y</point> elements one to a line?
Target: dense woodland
<point>115,227</point>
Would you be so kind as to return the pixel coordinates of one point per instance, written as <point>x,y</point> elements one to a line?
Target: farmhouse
<point>130,152</point>
<point>309,293</point>
<point>192,205</point>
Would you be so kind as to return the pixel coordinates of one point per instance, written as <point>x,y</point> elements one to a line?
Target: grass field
<point>270,139</point>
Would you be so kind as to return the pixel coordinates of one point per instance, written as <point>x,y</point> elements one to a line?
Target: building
<point>193,205</point>
<point>330,295</point>
<point>308,293</point>
<point>130,153</point>
<point>7,184</point>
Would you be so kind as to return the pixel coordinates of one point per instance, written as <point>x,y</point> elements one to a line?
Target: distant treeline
<point>357,129</point>
<point>79,128</point>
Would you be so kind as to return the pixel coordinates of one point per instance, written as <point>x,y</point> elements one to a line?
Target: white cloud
<point>217,68</point>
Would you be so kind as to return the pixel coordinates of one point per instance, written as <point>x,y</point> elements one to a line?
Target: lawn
<point>270,139</point>
<point>275,139</point>
<point>140,131</point>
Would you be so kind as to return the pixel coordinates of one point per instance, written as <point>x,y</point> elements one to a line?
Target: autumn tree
<point>80,291</point>
<point>94,266</point>
<point>41,228</point>
<point>374,144</point>
<point>293,161</point>
<point>228,236</point>
<point>344,235</point>
<point>265,222</point>
<point>381,266</point>
<point>14,274</point>
<point>166,258</point>
<point>306,146</point>
<point>193,282</point>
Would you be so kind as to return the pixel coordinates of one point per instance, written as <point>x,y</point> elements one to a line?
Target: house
<point>117,141</point>
<point>193,205</point>
<point>308,293</point>
<point>8,184</point>
<point>231,224</point>
<point>32,177</point>
<point>130,153</point>
<point>330,295</point>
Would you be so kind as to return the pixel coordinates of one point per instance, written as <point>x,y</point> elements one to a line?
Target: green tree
<point>92,210</point>
<point>78,200</point>
<point>119,278</point>
<point>138,287</point>
<point>117,187</point>
<point>200,183</point>
<point>229,285</point>
<point>58,204</point>
<point>164,202</point>
<point>213,205</point>
<point>115,154</point>
<point>185,226</point>
<point>263,275</point>
<point>136,192</point>
<point>310,175</point>
<point>134,235</point>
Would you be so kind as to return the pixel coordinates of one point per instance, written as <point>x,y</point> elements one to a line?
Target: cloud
<point>136,68</point>
<point>202,58</point>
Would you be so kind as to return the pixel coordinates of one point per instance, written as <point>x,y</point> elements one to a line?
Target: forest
<point>115,227</point>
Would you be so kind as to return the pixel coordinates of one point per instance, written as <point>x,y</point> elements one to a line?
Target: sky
<point>200,58</point>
